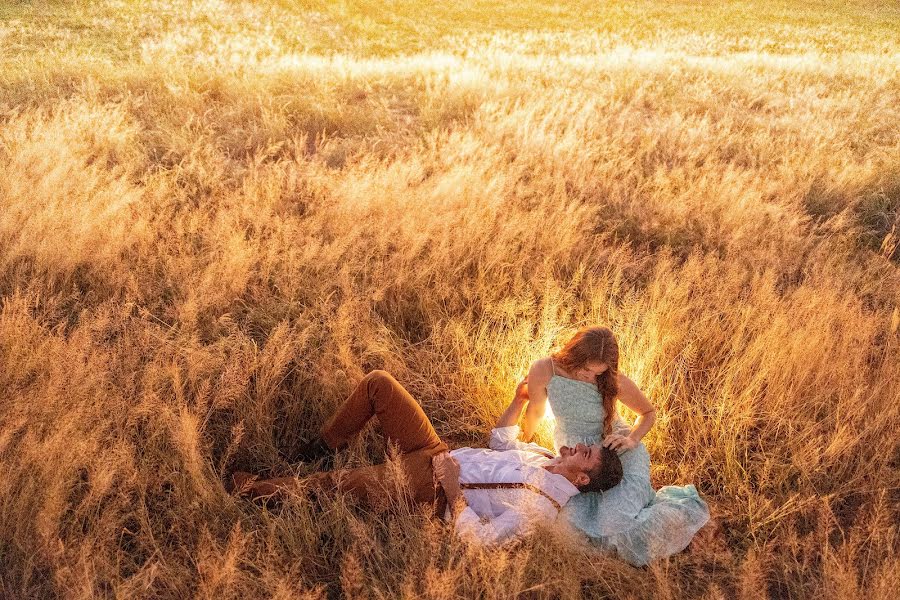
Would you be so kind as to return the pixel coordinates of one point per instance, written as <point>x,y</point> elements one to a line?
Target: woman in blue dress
<point>582,384</point>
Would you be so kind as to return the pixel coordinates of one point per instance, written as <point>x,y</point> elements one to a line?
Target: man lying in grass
<point>492,495</point>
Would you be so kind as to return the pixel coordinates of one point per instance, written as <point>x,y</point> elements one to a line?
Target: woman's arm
<point>632,397</point>
<point>538,377</point>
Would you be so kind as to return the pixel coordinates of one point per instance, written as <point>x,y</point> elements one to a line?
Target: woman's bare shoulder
<point>541,370</point>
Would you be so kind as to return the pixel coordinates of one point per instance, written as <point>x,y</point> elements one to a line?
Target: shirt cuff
<point>510,430</point>
<point>504,438</point>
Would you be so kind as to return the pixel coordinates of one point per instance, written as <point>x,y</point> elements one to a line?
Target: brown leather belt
<point>510,486</point>
<point>440,498</point>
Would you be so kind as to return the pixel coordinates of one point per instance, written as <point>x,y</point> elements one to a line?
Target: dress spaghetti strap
<point>552,366</point>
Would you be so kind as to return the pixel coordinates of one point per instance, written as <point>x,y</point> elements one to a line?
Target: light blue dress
<point>632,519</point>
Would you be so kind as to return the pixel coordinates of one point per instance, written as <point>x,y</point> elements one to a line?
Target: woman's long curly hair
<point>595,344</point>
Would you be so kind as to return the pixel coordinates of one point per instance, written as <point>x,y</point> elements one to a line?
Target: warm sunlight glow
<point>549,417</point>
<point>218,216</point>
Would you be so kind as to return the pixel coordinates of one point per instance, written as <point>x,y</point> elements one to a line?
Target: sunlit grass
<point>216,216</point>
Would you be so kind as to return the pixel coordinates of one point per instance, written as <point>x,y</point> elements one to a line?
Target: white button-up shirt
<point>496,515</point>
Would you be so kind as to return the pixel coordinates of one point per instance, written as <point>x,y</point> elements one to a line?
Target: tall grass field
<point>217,215</point>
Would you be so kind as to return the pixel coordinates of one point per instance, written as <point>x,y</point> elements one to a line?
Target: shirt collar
<point>559,487</point>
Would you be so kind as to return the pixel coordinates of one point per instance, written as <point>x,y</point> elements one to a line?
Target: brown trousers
<point>403,423</point>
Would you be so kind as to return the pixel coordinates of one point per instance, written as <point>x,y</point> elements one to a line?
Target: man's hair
<point>606,475</point>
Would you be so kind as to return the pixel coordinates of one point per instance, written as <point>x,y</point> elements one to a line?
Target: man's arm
<point>505,436</point>
<point>514,522</point>
<point>513,412</point>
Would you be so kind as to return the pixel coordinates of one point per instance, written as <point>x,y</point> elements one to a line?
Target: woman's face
<point>590,370</point>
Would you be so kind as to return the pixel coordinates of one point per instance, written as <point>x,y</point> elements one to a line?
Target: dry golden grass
<point>216,216</point>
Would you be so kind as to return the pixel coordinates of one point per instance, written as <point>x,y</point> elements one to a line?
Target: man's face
<point>578,461</point>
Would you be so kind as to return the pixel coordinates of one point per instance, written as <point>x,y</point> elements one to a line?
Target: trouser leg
<point>403,423</point>
<point>376,487</point>
<point>402,420</point>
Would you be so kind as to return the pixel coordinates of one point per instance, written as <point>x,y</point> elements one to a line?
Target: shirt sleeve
<point>507,438</point>
<point>513,523</point>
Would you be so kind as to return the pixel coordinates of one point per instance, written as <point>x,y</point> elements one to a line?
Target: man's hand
<point>513,412</point>
<point>521,397</point>
<point>446,471</point>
